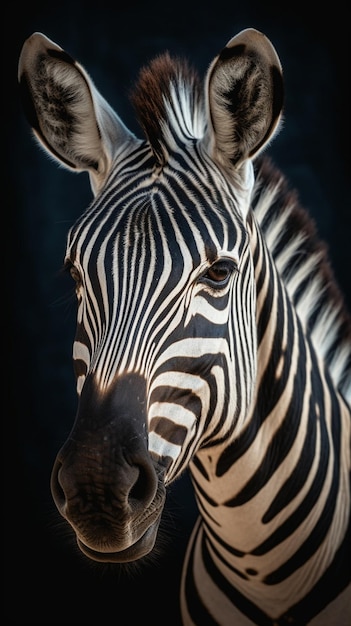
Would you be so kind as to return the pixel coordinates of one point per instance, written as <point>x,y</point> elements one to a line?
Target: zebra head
<point>165,347</point>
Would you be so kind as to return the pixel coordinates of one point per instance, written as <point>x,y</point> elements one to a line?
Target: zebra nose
<point>104,471</point>
<point>84,483</point>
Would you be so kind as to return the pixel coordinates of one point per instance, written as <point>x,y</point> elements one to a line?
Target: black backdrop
<point>46,580</point>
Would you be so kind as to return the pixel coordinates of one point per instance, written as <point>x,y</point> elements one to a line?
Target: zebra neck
<point>276,501</point>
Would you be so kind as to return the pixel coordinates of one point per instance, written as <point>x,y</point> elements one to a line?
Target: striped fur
<point>211,336</point>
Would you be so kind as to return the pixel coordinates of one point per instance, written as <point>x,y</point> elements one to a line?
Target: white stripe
<point>174,412</point>
<point>161,447</point>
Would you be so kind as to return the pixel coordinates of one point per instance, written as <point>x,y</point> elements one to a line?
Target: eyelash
<point>219,273</point>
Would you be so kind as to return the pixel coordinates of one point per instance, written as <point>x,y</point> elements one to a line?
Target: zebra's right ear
<point>244,98</point>
<point>69,117</point>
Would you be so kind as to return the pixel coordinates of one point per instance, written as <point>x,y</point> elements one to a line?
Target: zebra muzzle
<point>104,481</point>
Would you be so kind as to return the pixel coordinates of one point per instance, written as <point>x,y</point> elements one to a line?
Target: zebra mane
<point>303,263</point>
<point>168,102</point>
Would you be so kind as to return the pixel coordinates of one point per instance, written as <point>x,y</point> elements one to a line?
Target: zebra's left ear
<point>245,95</point>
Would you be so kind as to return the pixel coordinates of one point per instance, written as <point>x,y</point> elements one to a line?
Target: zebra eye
<point>219,272</point>
<point>75,274</point>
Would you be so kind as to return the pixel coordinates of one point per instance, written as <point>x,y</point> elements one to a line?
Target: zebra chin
<point>141,548</point>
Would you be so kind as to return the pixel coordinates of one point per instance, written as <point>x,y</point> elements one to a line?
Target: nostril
<point>143,487</point>
<point>139,488</point>
<point>57,491</point>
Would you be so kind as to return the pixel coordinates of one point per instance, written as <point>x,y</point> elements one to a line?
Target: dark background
<point>46,580</point>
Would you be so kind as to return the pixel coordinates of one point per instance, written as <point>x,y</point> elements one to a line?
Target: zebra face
<point>165,349</point>
<point>158,262</point>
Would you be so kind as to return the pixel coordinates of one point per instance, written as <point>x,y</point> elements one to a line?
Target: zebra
<point>211,337</point>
